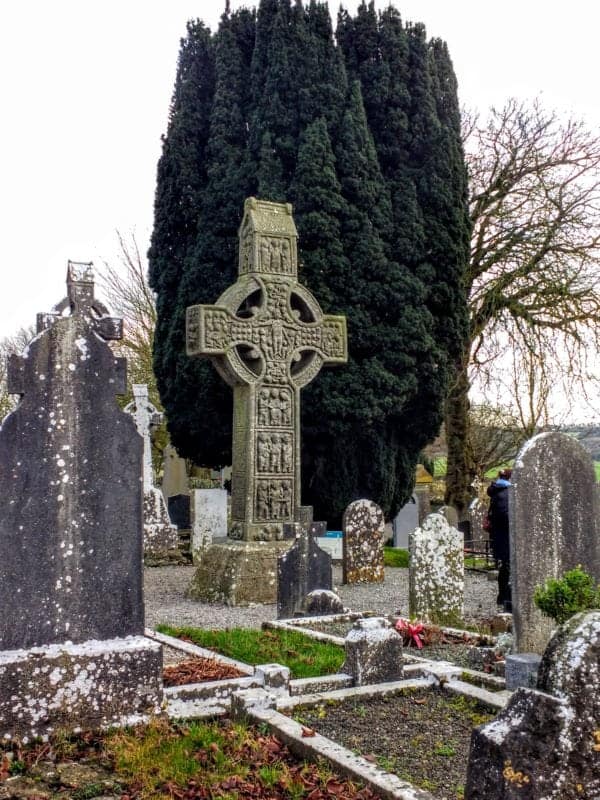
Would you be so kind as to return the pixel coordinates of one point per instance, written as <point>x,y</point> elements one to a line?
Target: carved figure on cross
<point>267,337</point>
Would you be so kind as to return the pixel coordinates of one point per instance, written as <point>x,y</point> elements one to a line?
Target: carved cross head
<point>80,300</point>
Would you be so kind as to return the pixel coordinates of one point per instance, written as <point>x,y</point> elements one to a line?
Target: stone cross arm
<point>249,348</point>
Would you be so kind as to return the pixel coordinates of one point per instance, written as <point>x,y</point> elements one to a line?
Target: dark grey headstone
<point>300,570</point>
<point>545,744</point>
<point>70,482</point>
<point>554,525</point>
<point>179,511</point>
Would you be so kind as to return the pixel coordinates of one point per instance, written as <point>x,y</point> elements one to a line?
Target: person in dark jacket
<point>499,534</point>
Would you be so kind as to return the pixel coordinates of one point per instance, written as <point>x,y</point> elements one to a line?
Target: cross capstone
<point>267,337</point>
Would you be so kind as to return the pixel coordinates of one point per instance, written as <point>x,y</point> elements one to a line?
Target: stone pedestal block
<point>522,670</point>
<point>95,684</point>
<point>238,573</point>
<point>373,652</point>
<point>161,539</point>
<point>208,518</point>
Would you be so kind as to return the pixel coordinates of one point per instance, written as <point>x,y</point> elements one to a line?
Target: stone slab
<point>180,511</point>
<point>333,545</point>
<point>90,685</point>
<point>301,569</point>
<point>521,669</point>
<point>554,526</point>
<point>208,519</point>
<point>405,522</point>
<point>71,489</point>
<point>238,573</point>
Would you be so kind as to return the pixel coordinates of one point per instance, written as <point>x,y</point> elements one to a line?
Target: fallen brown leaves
<point>198,670</point>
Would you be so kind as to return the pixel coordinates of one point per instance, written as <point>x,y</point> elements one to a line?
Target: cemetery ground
<point>222,758</point>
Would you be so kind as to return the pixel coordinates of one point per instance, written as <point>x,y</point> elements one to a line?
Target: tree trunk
<point>460,469</point>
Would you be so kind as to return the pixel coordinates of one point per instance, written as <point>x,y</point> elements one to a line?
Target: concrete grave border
<point>262,707</point>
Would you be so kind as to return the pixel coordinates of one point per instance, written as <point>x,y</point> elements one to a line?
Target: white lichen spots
<point>41,377</point>
<point>72,367</point>
<point>65,478</point>
<point>60,498</point>
<point>82,346</point>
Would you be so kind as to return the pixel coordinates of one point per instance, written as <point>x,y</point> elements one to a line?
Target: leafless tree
<point>125,287</point>
<point>533,277</point>
<point>8,346</point>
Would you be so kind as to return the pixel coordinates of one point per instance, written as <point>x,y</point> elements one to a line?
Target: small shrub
<point>561,598</point>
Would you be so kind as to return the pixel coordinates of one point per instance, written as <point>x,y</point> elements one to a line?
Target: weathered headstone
<point>175,478</point>
<point>72,651</point>
<point>146,417</point>
<point>363,543</point>
<point>554,526</point>
<point>405,522</point>
<point>160,536</point>
<point>373,652</point>
<point>436,572</point>
<point>300,570</point>
<point>545,744</point>
<point>450,514</point>
<point>208,518</point>
<point>267,337</point>
<point>476,514</point>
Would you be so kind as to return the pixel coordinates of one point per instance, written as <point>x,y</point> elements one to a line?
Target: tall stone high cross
<point>267,337</point>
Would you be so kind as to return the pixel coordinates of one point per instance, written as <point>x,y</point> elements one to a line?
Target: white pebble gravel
<point>166,601</point>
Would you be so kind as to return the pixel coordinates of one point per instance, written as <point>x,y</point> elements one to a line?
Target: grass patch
<point>597,468</point>
<point>162,754</point>
<point>395,557</point>
<point>306,657</point>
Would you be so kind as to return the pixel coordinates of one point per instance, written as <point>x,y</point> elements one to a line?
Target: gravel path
<point>166,602</point>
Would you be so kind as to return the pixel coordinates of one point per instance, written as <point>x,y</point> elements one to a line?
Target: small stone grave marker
<point>436,572</point>
<point>373,652</point>
<point>363,543</point>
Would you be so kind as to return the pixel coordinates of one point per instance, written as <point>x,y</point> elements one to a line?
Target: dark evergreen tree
<point>182,171</point>
<point>371,186</point>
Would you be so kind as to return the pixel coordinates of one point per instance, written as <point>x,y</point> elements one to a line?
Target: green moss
<point>395,557</point>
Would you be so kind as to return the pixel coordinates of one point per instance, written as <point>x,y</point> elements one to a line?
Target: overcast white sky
<point>85,91</point>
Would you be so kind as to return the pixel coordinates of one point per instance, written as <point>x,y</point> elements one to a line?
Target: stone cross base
<point>161,538</point>
<point>93,685</point>
<point>238,573</point>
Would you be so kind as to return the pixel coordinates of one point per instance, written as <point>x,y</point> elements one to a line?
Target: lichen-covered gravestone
<point>72,650</point>
<point>373,652</point>
<point>364,531</point>
<point>161,539</point>
<point>545,744</point>
<point>436,572</point>
<point>554,526</point>
<point>268,338</point>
